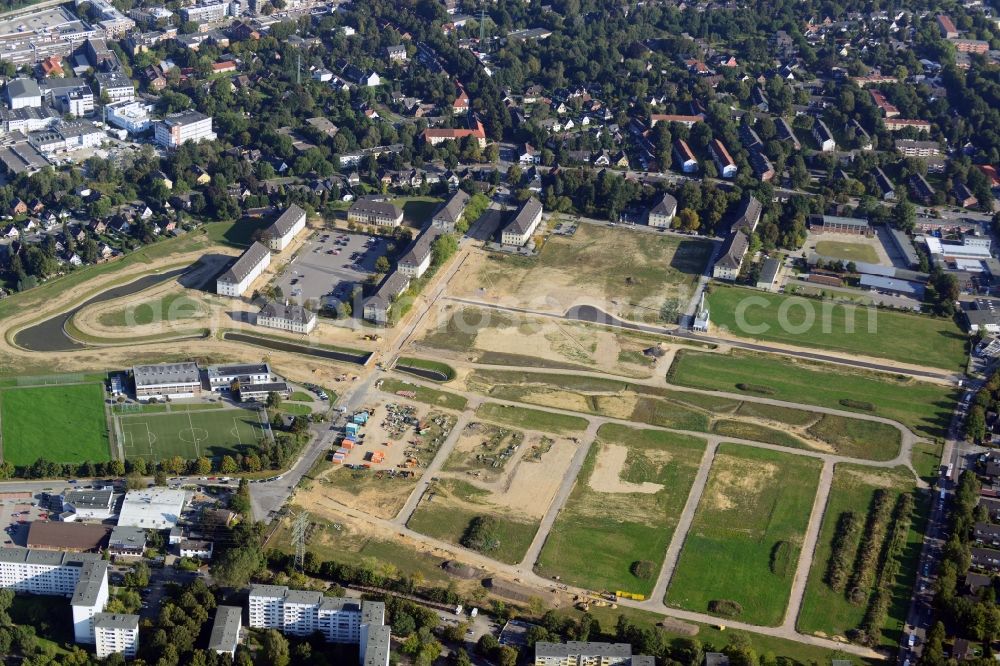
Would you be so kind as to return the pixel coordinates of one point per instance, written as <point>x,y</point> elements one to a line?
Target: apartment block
<point>116,634</point>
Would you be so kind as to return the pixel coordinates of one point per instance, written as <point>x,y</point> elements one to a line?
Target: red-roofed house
<point>223,67</point>
<point>461,103</point>
<point>723,160</point>
<point>947,26</point>
<point>436,135</point>
<point>991,174</point>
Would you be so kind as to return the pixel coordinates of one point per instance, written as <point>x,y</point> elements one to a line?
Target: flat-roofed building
<point>179,128</point>
<point>896,124</point>
<point>221,377</point>
<point>23,93</point>
<point>377,213</point>
<point>90,504</point>
<point>687,121</point>
<point>116,634</point>
<point>42,572</point>
<point>226,630</point>
<point>284,229</point>
<point>152,508</point>
<point>167,380</point>
<point>839,225</point>
<point>90,596</point>
<point>251,264</point>
<point>914,148</point>
<point>521,227</point>
<point>127,542</point>
<point>116,85</point>
<point>57,535</point>
<point>585,653</point>
<point>287,317</point>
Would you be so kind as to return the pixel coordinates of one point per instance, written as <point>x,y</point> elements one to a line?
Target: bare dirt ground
<point>481,446</point>
<point>606,477</point>
<point>737,481</point>
<point>529,486</point>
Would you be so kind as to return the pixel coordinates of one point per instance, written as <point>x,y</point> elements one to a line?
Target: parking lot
<point>16,513</point>
<point>329,265</point>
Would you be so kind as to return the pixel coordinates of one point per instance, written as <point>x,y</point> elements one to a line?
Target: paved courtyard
<point>328,265</point>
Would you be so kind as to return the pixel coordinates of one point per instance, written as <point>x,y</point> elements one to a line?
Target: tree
<point>443,247</point>
<point>688,220</point>
<point>202,466</point>
<point>229,465</point>
<point>273,400</point>
<point>975,425</point>
<point>238,565</point>
<point>138,576</point>
<point>274,647</point>
<point>160,478</point>
<point>382,264</point>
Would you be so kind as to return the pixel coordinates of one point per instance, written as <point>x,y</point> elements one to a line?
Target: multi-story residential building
<point>417,259</point>
<point>436,135</point>
<point>116,85</point>
<point>71,96</point>
<point>887,108</point>
<point>179,128</point>
<point>378,307</point>
<point>89,598</point>
<point>205,12</point>
<point>226,630</point>
<point>378,213</point>
<point>727,267</point>
<point>339,620</point>
<point>684,157</point>
<point>286,317</point>
<point>167,380</point>
<point>580,653</point>
<point>723,160</point>
<point>519,230</point>
<point>283,230</point>
<point>687,121</point>
<point>885,186</point>
<point>661,215</point>
<point>947,27</point>
<point>971,45</point>
<point>823,136</point>
<point>116,634</point>
<point>451,212</point>
<point>28,119</point>
<point>896,124</point>
<point>241,275</point>
<point>913,148</point>
<point>920,189</point>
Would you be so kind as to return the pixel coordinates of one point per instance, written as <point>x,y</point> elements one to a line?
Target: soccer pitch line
<point>194,437</point>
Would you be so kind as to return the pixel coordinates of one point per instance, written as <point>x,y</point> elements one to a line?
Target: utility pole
<point>299,528</point>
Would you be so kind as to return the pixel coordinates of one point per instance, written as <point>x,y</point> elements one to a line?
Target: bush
<point>781,559</point>
<point>857,404</point>
<point>482,534</point>
<point>871,547</point>
<point>755,388</point>
<point>878,608</point>
<point>643,569</point>
<point>725,607</point>
<point>838,568</point>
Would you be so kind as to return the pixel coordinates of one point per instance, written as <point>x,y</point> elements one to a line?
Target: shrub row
<point>857,404</point>
<point>878,608</point>
<point>755,388</point>
<point>866,561</point>
<point>781,559</point>
<point>838,568</point>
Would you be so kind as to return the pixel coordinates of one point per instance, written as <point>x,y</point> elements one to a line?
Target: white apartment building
<point>89,598</point>
<point>133,117</point>
<point>284,230</point>
<point>519,230</point>
<point>203,13</point>
<point>247,268</point>
<point>378,213</point>
<point>285,317</point>
<point>226,630</point>
<point>417,259</point>
<point>183,126</point>
<point>115,633</point>
<point>723,160</point>
<point>340,620</point>
<point>221,377</point>
<point>662,214</point>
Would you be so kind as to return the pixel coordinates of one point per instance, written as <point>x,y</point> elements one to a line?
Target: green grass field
<point>190,435</point>
<point>63,424</point>
<point>426,395</point>
<point>744,543</point>
<point>827,611</point>
<point>847,251</point>
<point>908,338</point>
<point>531,419</point>
<point>173,307</point>
<point>455,504</point>
<point>924,407</point>
<point>598,535</point>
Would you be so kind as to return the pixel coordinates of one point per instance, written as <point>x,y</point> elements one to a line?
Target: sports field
<point>847,251</point>
<point>64,424</point>
<point>808,322</point>
<point>189,435</point>
<point>740,554</point>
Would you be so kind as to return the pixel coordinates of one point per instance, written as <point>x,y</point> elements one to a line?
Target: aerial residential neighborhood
<point>449,333</point>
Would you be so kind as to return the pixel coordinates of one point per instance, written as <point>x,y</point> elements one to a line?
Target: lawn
<point>299,396</point>
<point>426,395</point>
<point>744,543</point>
<point>637,271</point>
<point>847,251</point>
<point>417,210</point>
<point>173,307</point>
<point>924,407</point>
<point>598,535</point>
<point>190,435</point>
<point>907,338</point>
<point>295,409</point>
<point>454,505</point>
<point>857,438</point>
<point>829,612</point>
<point>64,424</point>
<point>240,233</point>
<point>531,419</point>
